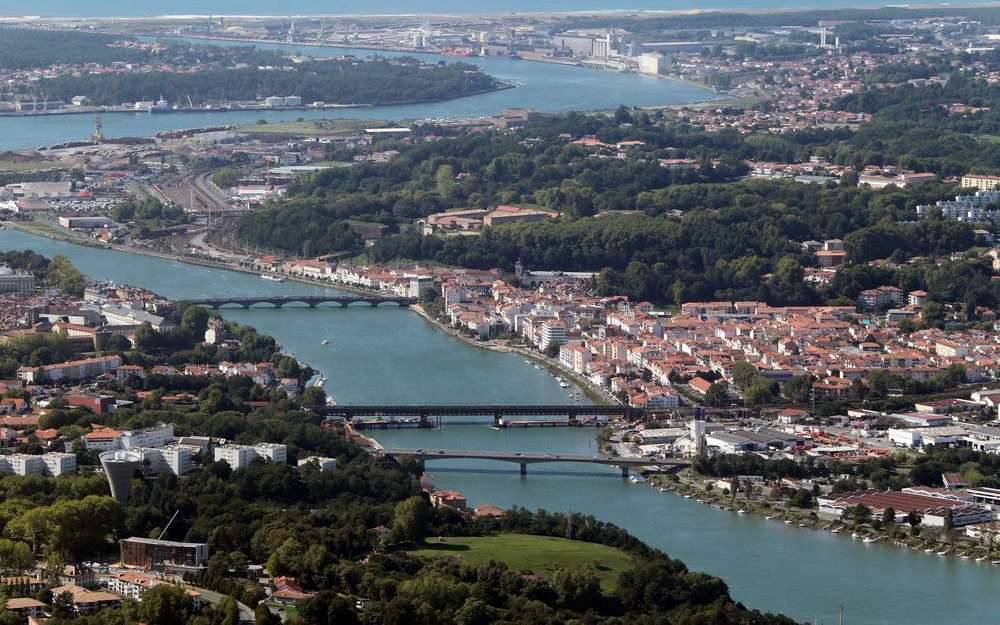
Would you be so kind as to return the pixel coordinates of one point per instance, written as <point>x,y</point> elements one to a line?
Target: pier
<point>312,301</point>
<point>525,458</point>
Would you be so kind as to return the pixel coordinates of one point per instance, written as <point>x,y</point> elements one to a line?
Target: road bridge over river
<point>573,412</point>
<point>526,458</point>
<point>312,301</point>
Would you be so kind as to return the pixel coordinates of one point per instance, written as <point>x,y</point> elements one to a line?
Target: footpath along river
<point>394,356</point>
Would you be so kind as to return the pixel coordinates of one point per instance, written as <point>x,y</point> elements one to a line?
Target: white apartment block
<point>552,332</point>
<point>240,456</point>
<point>171,459</point>
<point>275,452</point>
<point>22,464</point>
<point>156,436</point>
<point>57,463</point>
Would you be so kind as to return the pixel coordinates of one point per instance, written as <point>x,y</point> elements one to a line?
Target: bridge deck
<point>533,458</point>
<point>309,300</point>
<point>575,410</point>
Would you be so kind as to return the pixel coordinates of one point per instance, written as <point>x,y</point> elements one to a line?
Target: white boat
<point>272,277</point>
<point>982,558</point>
<point>835,530</point>
<point>929,550</point>
<point>854,534</point>
<point>803,525</point>
<point>768,518</point>
<point>943,553</point>
<point>325,342</point>
<point>636,480</point>
<point>663,490</point>
<point>789,522</point>
<point>741,511</point>
<point>869,539</point>
<point>563,385</point>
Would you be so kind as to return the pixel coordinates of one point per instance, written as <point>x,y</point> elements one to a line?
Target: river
<point>541,86</point>
<point>391,355</point>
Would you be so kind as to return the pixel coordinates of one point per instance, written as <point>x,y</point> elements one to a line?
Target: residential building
<point>240,456</point>
<point>20,282</point>
<point>985,183</point>
<point>73,370</point>
<point>155,436</point>
<point>58,463</point>
<point>174,459</point>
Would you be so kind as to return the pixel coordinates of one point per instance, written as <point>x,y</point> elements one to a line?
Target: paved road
<point>246,614</point>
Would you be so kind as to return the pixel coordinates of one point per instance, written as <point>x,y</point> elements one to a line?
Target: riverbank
<point>594,394</point>
<point>580,64</point>
<point>700,490</point>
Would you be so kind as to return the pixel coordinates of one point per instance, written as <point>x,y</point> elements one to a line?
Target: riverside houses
<point>657,360</point>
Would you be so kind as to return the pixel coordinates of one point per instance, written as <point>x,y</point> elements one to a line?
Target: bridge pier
<point>524,468</point>
<point>624,471</point>
<point>344,304</point>
<point>246,306</point>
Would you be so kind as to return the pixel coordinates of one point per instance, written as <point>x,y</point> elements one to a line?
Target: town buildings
<point>241,456</point>
<point>151,554</point>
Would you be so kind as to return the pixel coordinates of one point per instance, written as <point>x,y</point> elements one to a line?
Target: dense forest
<point>29,48</point>
<point>687,233</point>
<point>350,81</point>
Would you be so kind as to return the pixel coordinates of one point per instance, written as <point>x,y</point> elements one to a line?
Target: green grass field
<point>541,555</point>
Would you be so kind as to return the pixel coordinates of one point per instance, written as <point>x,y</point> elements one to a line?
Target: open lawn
<point>20,166</point>
<point>311,128</point>
<point>541,555</point>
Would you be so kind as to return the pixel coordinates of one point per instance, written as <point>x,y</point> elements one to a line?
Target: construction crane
<point>98,135</point>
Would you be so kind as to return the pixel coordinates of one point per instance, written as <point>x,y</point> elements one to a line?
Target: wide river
<point>541,86</point>
<point>389,355</point>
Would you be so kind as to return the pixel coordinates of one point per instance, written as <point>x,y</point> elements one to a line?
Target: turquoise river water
<point>391,355</point>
